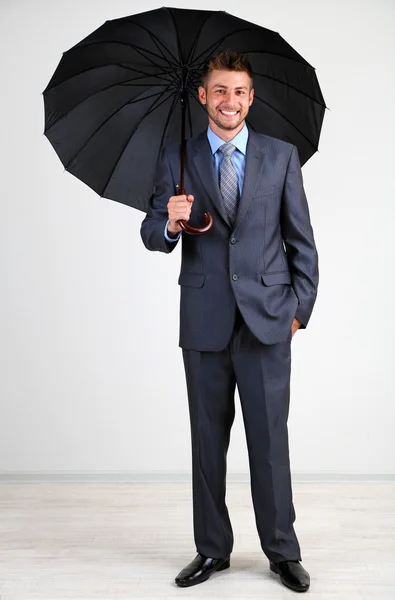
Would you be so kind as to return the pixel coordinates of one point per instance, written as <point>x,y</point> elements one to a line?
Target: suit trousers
<point>262,374</point>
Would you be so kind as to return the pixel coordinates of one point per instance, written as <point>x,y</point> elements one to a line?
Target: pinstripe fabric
<point>228,181</point>
<point>266,263</point>
<point>241,286</point>
<point>262,374</point>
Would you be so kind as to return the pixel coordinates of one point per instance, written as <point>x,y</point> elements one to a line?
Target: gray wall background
<point>92,378</point>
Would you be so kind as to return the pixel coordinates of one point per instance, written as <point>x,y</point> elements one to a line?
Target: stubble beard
<point>212,113</point>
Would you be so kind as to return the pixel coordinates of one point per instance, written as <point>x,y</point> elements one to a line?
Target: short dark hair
<point>226,60</point>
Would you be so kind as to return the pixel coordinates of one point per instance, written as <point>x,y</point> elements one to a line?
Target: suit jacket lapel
<point>203,159</point>
<point>252,173</point>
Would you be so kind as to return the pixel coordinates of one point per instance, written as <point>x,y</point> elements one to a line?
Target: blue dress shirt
<point>238,159</point>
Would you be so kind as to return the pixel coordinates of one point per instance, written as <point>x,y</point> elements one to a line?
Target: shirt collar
<point>240,140</point>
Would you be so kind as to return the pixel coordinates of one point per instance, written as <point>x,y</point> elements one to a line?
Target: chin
<point>230,126</point>
<point>218,122</point>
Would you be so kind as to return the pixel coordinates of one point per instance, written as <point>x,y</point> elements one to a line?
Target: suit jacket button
<point>234,277</point>
<point>233,240</point>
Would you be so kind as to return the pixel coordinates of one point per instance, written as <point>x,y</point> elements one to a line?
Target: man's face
<point>227,98</point>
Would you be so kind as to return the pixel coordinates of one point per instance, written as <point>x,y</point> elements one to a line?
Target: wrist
<point>171,232</point>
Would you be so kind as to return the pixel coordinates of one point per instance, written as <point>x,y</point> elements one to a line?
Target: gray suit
<point>246,265</point>
<point>241,287</point>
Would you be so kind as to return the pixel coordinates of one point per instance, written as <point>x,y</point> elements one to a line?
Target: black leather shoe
<point>292,574</point>
<point>200,569</point>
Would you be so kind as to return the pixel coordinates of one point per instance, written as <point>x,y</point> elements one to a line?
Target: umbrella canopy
<point>122,93</point>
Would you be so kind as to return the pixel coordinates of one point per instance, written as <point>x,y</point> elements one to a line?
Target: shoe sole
<point>286,583</point>
<point>224,566</point>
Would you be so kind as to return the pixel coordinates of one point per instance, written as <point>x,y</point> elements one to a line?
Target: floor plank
<point>129,540</point>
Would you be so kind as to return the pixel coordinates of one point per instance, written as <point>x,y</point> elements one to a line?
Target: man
<point>246,286</point>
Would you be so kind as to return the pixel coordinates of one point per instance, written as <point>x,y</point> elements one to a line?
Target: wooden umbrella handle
<point>196,230</point>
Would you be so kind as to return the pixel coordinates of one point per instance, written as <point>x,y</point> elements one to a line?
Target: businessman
<point>246,287</point>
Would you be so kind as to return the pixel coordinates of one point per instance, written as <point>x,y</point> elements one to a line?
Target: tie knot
<point>227,149</point>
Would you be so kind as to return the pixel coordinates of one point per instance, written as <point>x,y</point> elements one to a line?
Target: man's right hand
<point>179,209</point>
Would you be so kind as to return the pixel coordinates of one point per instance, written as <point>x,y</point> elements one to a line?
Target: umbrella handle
<point>196,230</point>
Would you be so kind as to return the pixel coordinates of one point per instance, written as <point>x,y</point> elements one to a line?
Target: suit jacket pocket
<point>191,279</point>
<point>274,278</point>
<point>264,191</point>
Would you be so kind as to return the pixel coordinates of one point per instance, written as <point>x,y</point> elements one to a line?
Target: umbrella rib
<point>189,117</point>
<point>105,121</point>
<point>299,62</point>
<point>199,34</point>
<point>133,46</point>
<point>155,107</point>
<point>286,119</point>
<point>291,87</point>
<point>154,37</point>
<point>194,78</point>
<point>304,64</point>
<point>143,72</point>
<point>142,50</point>
<point>125,83</point>
<point>172,65</point>
<point>199,103</point>
<point>165,126</point>
<point>177,38</point>
<point>47,89</point>
<point>216,44</point>
<point>130,137</point>
<point>168,119</point>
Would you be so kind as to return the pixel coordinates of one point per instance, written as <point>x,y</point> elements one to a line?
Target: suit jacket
<point>267,263</point>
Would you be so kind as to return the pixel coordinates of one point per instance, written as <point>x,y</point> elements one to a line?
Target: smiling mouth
<point>229,113</point>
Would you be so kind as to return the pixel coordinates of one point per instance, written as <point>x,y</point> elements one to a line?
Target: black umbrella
<point>130,87</point>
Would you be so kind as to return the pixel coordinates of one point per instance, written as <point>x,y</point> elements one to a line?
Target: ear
<point>202,94</point>
<point>251,98</point>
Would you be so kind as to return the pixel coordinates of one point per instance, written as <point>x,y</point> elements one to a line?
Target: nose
<point>230,98</point>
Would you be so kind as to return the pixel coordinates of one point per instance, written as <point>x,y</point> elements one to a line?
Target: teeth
<point>229,112</point>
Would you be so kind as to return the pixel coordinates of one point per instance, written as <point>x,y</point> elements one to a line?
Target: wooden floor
<point>129,540</point>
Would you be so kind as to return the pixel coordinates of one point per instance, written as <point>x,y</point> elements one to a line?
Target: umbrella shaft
<point>182,162</point>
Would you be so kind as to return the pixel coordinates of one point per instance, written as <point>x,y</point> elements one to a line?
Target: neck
<point>225,134</point>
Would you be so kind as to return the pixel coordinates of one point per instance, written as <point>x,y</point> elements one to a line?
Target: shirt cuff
<point>169,239</point>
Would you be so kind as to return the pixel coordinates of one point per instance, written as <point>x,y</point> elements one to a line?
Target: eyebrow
<point>239,87</point>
